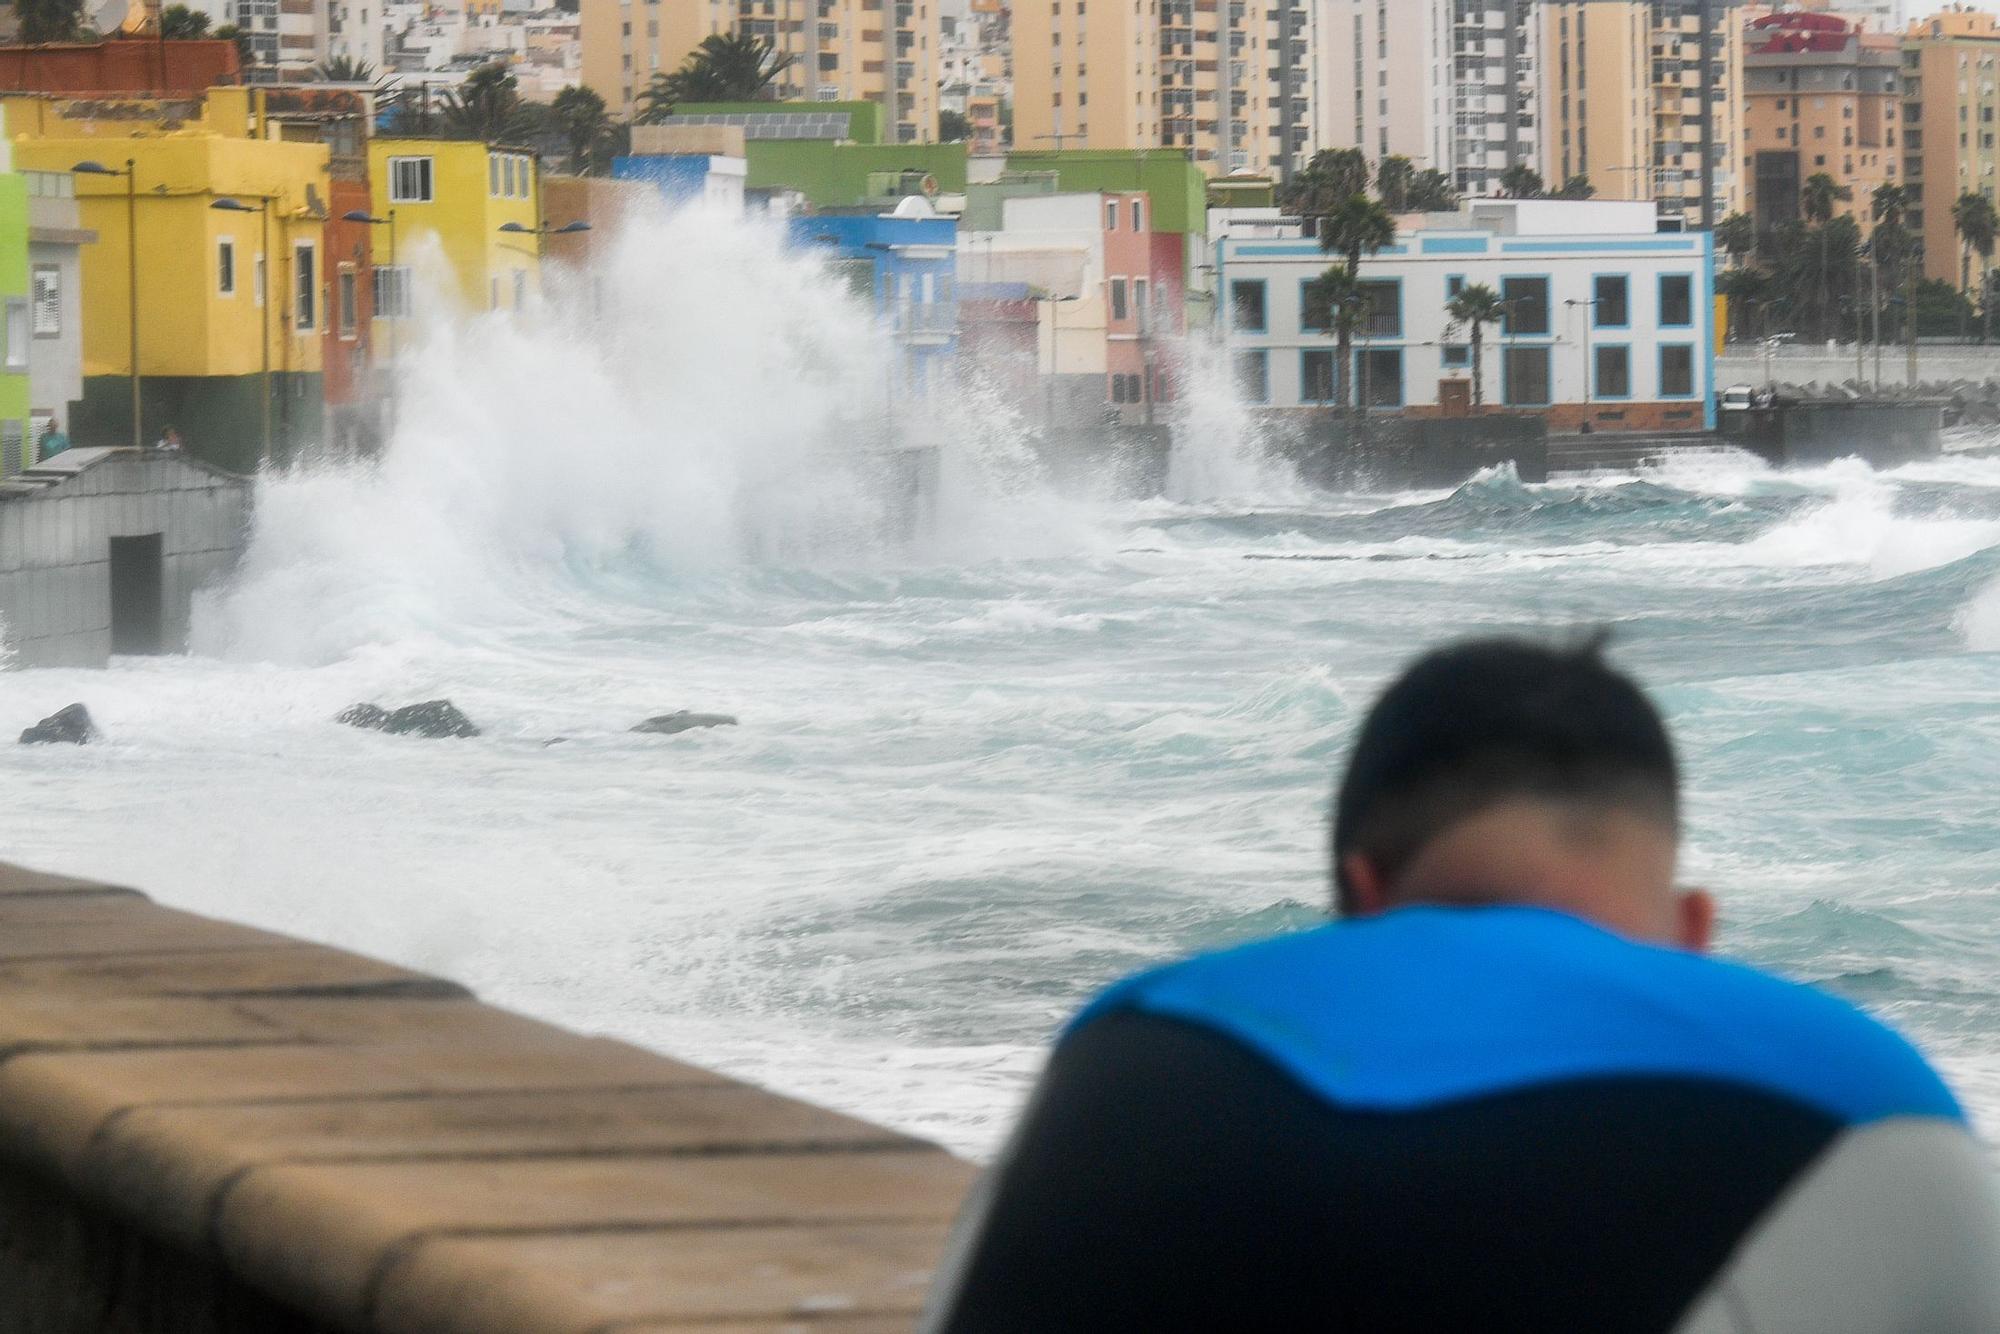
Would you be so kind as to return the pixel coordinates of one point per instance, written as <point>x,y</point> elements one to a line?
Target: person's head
<point>1508,771</point>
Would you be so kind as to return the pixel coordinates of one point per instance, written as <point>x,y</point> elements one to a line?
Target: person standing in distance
<point>1506,1090</point>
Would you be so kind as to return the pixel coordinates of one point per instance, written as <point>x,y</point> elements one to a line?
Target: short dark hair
<point>1476,723</point>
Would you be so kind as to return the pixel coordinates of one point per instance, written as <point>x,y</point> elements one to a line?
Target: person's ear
<point>1695,911</point>
<point>1367,886</point>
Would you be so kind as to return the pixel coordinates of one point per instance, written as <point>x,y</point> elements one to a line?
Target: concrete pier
<point>206,1127</point>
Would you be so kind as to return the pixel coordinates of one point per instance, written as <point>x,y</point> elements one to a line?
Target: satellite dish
<point>110,15</point>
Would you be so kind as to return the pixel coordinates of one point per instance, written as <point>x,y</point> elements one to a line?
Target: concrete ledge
<point>208,1127</point>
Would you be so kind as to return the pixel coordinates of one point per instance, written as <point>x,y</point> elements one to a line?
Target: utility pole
<point>1875,310</point>
<point>1910,313</point>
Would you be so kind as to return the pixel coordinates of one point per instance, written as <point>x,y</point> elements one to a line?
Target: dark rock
<point>667,724</point>
<point>70,726</point>
<point>433,718</point>
<point>371,716</point>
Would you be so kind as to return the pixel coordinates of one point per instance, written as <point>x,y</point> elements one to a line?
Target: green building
<point>830,152</point>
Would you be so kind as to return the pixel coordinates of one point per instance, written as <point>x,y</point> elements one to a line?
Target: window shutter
<point>48,303</point>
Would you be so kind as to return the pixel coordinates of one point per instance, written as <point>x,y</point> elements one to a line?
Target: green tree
<point>1333,177</point>
<point>1819,195</point>
<point>49,20</point>
<point>1977,225</point>
<point>1359,226</point>
<point>1892,203</point>
<point>656,101</point>
<point>246,50</point>
<point>1335,301</point>
<point>1815,277</point>
<point>953,127</point>
<point>344,69</point>
<point>1749,291</point>
<point>1576,187</point>
<point>1432,192</point>
<point>1737,234</point>
<point>732,68</point>
<point>579,116</point>
<point>1522,181</point>
<point>488,107</point>
<point>1475,307</point>
<point>178,23</point>
<point>1394,175</point>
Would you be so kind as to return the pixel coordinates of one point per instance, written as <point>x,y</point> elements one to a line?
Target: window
<point>258,280</point>
<point>1527,377</point>
<point>1676,300</point>
<point>1117,389</point>
<point>1246,303</point>
<point>1110,215</point>
<point>520,288</point>
<point>1527,305</point>
<point>1677,371</point>
<point>1138,215</point>
<point>1453,285</point>
<point>348,294</point>
<point>1316,383</point>
<point>225,267</point>
<point>1457,355</point>
<point>1253,382</point>
<point>47,293</point>
<point>1379,377</point>
<point>1139,304</point>
<point>392,292</point>
<point>493,292</point>
<point>17,334</point>
<point>409,180</point>
<point>305,286</point>
<point>1612,293</point>
<point>1118,298</point>
<point>1614,371</point>
<point>493,175</point>
<point>1382,301</point>
<point>1314,316</point>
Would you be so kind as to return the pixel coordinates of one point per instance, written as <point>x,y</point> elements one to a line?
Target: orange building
<point>1819,95</point>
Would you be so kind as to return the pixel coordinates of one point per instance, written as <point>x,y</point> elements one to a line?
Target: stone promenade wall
<point>205,1127</point>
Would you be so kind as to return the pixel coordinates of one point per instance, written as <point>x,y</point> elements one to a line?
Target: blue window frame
<point>1524,378</point>
<point>1456,355</point>
<point>1378,376</point>
<point>1676,301</point>
<point>1527,300</point>
<point>1453,284</point>
<point>1247,310</point>
<point>1311,319</point>
<point>1253,375</point>
<point>1382,300</point>
<point>1316,376</point>
<point>1677,370</point>
<point>1611,301</point>
<point>1611,371</point>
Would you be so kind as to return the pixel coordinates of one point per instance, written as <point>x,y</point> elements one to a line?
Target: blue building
<point>686,178</point>
<point>905,262</point>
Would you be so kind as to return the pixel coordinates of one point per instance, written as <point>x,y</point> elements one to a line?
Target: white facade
<point>1611,320</point>
<point>1055,245</point>
<point>55,277</point>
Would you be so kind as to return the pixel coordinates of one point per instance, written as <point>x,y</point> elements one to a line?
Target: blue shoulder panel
<point>1428,1005</point>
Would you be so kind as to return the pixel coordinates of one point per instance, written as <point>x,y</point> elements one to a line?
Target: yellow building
<point>226,296</point>
<point>455,197</point>
<point>883,51</point>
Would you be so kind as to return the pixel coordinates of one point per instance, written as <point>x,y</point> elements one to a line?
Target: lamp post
<point>262,208</point>
<point>1587,368</point>
<point>130,173</point>
<point>1055,364</point>
<point>541,232</point>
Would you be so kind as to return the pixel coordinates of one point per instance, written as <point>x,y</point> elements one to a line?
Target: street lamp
<point>262,208</point>
<point>521,228</point>
<point>1588,369</point>
<point>130,173</point>
<point>362,215</point>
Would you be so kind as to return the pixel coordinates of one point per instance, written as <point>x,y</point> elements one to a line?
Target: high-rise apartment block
<point>1622,101</point>
<point>1231,81</point>
<point>884,51</point>
<point>1820,94</point>
<point>1951,114</point>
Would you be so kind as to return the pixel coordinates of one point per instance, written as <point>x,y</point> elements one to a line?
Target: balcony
<point>926,325</point>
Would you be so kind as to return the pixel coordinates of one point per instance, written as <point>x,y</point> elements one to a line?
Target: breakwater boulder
<point>432,718</point>
<point>68,726</point>
<point>668,724</point>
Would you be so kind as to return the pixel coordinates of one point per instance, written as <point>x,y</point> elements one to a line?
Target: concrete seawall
<point>206,1127</point>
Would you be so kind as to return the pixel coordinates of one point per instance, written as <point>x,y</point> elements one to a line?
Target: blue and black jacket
<point>1475,1119</point>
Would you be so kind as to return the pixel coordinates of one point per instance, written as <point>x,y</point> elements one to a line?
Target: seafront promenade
<point>206,1127</point>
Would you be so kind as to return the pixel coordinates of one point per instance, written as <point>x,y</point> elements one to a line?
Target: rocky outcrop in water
<point>69,726</point>
<point>668,724</point>
<point>432,718</point>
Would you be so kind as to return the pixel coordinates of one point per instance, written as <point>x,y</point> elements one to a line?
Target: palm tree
<point>1737,234</point>
<point>1891,203</point>
<point>1336,301</point>
<point>49,20</point>
<point>1819,194</point>
<point>1475,307</point>
<point>1522,181</point>
<point>1432,192</point>
<point>487,107</point>
<point>178,23</point>
<point>1360,226</point>
<point>733,68</point>
<point>656,101</point>
<point>1394,175</point>
<point>580,117</point>
<point>246,50</point>
<point>1748,289</point>
<point>1576,187</point>
<point>1977,225</point>
<point>344,69</point>
<point>1333,177</point>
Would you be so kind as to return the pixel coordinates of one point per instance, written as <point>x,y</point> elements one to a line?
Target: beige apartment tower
<point>1951,91</point>
<point>882,51</point>
<point>1621,103</point>
<point>1231,81</point>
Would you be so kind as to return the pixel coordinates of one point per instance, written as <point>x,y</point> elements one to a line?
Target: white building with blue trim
<point>1609,321</point>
